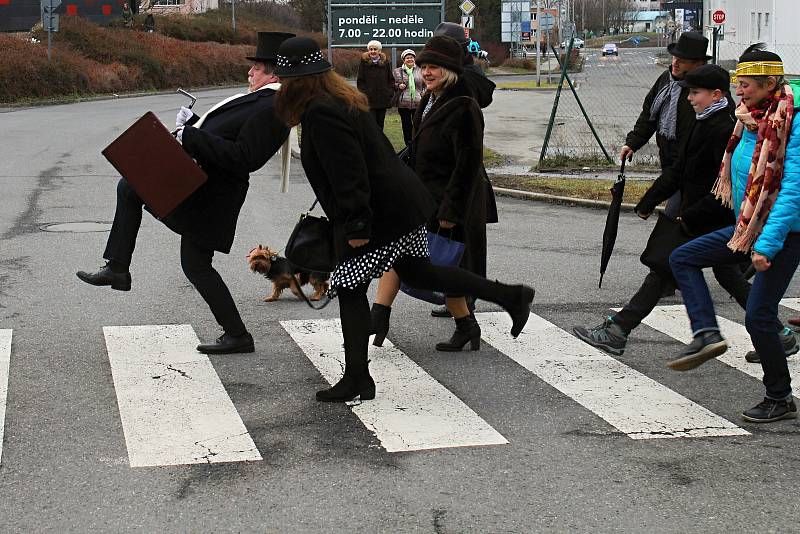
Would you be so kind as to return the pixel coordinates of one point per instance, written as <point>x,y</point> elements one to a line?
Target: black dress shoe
<point>441,311</point>
<point>228,344</point>
<point>107,277</point>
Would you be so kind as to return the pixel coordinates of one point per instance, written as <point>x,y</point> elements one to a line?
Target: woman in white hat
<point>409,87</point>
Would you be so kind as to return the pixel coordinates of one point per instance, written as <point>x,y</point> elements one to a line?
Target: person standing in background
<point>375,79</point>
<point>409,85</point>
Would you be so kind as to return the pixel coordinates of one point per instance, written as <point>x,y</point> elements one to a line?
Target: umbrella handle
<point>622,167</point>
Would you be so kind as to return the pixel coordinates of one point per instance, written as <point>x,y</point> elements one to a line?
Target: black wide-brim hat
<point>690,45</point>
<point>268,44</point>
<point>442,51</point>
<point>300,56</point>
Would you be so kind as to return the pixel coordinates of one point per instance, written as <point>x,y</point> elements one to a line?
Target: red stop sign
<point>718,17</point>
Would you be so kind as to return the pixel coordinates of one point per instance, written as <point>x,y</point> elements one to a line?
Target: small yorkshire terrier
<point>279,271</point>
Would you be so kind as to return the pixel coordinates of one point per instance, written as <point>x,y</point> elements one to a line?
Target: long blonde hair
<point>298,91</point>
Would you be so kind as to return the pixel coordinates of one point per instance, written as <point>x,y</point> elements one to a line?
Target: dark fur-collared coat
<point>234,140</point>
<point>448,156</point>
<point>376,80</point>
<point>364,188</point>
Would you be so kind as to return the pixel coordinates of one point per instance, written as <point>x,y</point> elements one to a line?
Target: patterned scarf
<point>665,108</point>
<point>428,106</point>
<point>772,119</point>
<point>713,108</point>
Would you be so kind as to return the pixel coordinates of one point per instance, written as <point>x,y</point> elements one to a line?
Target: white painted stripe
<point>628,400</point>
<point>673,321</point>
<point>5,361</point>
<point>173,406</point>
<point>793,304</point>
<point>411,410</point>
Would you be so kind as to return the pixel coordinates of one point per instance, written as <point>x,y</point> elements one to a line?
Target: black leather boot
<point>354,383</point>
<point>467,330</point>
<point>107,277</point>
<point>379,322</point>
<point>516,300</point>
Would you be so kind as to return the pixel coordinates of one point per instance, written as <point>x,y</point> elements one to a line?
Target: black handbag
<point>666,236</point>
<point>310,247</point>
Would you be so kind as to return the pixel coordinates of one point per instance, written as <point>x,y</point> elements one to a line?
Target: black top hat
<point>452,30</point>
<point>268,43</point>
<point>441,51</point>
<point>300,56</point>
<point>690,45</point>
<point>707,77</point>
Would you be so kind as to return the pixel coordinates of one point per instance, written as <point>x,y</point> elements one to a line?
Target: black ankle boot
<point>348,388</point>
<point>467,329</point>
<point>379,323</point>
<point>516,300</point>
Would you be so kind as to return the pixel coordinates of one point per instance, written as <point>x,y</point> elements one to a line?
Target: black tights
<point>419,273</point>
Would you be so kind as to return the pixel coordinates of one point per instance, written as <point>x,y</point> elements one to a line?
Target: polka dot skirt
<point>356,271</point>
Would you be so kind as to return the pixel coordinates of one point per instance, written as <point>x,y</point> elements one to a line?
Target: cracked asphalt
<point>64,460</point>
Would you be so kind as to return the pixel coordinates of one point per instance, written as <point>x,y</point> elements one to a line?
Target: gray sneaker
<point>789,342</point>
<point>608,336</point>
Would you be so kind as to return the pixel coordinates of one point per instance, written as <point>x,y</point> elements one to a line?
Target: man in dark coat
<point>375,79</point>
<point>693,174</point>
<point>236,137</point>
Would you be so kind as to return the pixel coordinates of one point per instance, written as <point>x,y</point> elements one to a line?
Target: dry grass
<point>573,187</point>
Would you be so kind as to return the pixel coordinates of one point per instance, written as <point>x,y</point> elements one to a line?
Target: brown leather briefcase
<point>155,164</point>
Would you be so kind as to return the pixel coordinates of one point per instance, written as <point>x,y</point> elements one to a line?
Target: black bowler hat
<point>442,51</point>
<point>452,30</point>
<point>300,56</point>
<point>690,45</point>
<point>268,43</point>
<point>707,77</point>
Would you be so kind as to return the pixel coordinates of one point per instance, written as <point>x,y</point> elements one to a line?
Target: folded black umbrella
<point>612,221</point>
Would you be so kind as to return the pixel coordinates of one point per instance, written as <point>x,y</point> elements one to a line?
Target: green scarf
<point>412,88</point>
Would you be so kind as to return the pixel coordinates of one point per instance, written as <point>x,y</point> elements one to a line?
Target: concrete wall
<point>751,21</point>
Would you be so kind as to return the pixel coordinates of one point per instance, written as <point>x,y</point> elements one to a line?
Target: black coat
<point>693,174</point>
<point>364,188</point>
<point>234,140</point>
<point>645,127</point>
<point>376,81</point>
<point>448,156</point>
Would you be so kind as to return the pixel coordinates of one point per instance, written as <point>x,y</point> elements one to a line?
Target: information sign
<point>392,26</point>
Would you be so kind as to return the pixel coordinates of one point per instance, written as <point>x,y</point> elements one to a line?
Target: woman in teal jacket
<point>760,178</point>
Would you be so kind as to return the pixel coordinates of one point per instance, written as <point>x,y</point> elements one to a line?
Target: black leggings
<point>419,273</point>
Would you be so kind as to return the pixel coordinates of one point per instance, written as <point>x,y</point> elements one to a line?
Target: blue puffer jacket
<point>784,217</point>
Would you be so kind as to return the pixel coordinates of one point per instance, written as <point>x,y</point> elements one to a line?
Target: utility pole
<point>233,15</point>
<point>538,43</point>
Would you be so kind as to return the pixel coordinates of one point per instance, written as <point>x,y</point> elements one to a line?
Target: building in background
<point>645,21</point>
<point>758,21</point>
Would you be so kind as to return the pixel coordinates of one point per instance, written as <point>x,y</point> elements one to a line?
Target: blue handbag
<point>444,251</point>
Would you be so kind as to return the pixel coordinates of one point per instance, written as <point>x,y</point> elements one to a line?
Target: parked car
<point>610,49</point>
<point>578,43</point>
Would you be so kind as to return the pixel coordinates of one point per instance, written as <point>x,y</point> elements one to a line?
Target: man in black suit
<point>234,138</point>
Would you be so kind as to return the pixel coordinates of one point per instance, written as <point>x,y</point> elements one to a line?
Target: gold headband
<point>758,68</point>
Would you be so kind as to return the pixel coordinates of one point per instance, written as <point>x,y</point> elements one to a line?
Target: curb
<point>556,199</point>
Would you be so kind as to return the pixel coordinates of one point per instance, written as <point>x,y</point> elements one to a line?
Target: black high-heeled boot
<point>516,300</point>
<point>467,330</point>
<point>379,322</point>
<point>349,387</point>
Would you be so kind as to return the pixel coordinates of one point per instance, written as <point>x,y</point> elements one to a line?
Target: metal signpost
<point>50,21</point>
<point>546,24</point>
<point>396,24</point>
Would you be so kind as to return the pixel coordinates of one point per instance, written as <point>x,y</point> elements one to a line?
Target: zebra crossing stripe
<point>173,406</point>
<point>628,400</point>
<point>672,321</point>
<point>411,410</point>
<point>793,304</point>
<point>5,361</point>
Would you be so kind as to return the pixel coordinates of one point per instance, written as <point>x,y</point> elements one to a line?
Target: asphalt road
<point>65,466</point>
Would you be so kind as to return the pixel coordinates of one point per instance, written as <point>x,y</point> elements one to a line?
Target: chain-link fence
<point>612,88</point>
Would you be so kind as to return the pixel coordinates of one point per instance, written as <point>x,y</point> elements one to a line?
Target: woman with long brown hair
<point>377,205</point>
